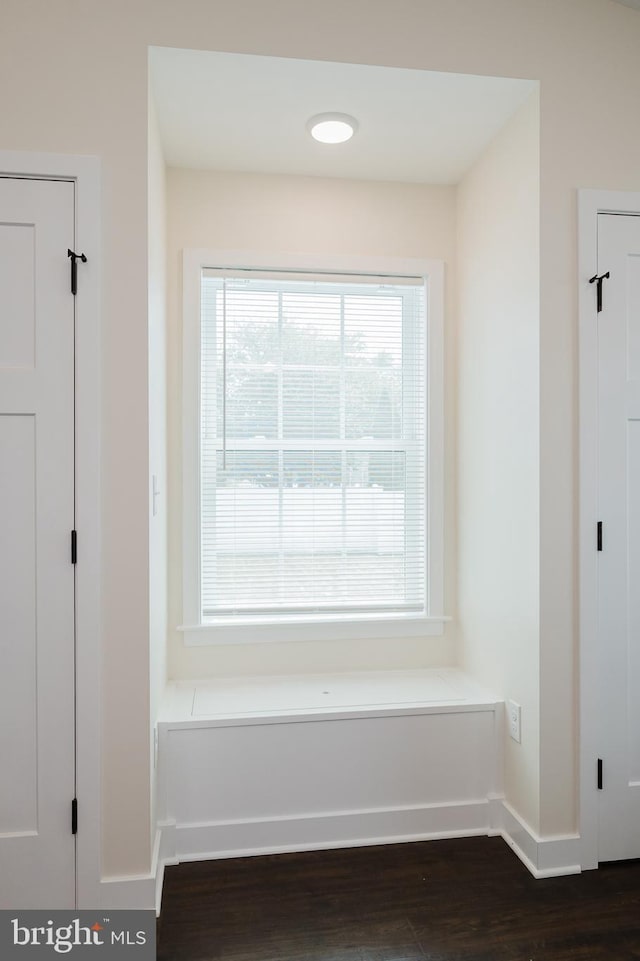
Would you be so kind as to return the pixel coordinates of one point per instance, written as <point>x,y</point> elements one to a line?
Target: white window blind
<point>312,445</point>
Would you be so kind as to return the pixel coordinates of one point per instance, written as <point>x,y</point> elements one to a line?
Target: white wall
<point>499,436</point>
<point>310,215</point>
<point>73,79</point>
<point>158,581</point>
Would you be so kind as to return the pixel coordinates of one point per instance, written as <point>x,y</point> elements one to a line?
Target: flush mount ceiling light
<point>332,127</point>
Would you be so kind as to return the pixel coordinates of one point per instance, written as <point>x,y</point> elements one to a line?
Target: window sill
<point>258,631</point>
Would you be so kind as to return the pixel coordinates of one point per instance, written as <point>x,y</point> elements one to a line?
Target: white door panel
<point>619,562</point>
<point>17,266</point>
<point>18,801</point>
<point>37,849</point>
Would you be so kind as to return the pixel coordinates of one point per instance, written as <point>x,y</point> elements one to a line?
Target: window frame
<point>288,627</point>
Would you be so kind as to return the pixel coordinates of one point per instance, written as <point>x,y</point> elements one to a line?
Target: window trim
<point>335,627</point>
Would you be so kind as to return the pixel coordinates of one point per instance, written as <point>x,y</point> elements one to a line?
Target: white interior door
<point>619,559</point>
<point>37,767</point>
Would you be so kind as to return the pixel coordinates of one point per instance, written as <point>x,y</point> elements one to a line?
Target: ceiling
<point>225,111</point>
<point>631,3</point>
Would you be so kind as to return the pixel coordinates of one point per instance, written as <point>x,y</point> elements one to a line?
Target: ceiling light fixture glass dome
<point>332,127</point>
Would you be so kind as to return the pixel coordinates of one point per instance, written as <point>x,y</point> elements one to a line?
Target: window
<point>309,425</point>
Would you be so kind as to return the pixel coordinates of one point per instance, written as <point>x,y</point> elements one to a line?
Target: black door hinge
<point>599,773</point>
<point>74,816</point>
<point>74,269</point>
<point>599,535</point>
<point>74,547</point>
<point>597,279</point>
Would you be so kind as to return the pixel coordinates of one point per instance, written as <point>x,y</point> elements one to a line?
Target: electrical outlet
<point>513,720</point>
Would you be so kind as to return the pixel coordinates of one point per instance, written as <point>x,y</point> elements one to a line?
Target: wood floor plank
<point>459,900</point>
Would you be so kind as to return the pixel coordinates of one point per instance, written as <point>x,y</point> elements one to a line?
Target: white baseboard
<point>142,891</point>
<point>253,837</point>
<point>127,893</point>
<point>166,854</point>
<point>544,857</point>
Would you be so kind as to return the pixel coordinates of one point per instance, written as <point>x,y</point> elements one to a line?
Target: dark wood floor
<point>462,900</point>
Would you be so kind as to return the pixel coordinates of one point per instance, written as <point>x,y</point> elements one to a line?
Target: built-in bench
<point>255,765</point>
